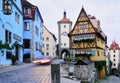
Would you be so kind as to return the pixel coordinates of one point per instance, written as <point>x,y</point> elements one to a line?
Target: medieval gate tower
<point>64,27</point>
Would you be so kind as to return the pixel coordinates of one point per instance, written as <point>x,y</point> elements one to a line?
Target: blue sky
<point>107,11</point>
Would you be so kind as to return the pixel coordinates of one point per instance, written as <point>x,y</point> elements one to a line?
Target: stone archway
<point>114,71</point>
<point>64,53</point>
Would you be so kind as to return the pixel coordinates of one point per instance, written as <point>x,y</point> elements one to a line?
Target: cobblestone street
<point>111,79</point>
<point>28,74</point>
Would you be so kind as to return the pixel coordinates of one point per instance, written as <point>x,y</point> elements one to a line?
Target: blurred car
<point>43,60</point>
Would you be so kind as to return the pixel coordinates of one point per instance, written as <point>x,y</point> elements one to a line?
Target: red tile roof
<point>114,46</point>
<point>64,19</point>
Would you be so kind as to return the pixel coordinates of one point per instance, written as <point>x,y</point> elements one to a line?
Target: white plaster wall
<point>65,38</point>
<point>117,55</point>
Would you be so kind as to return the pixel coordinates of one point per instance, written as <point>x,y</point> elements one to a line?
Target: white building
<point>64,27</point>
<point>115,54</point>
<point>49,43</point>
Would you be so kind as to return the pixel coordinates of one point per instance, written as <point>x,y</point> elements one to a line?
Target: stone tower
<point>64,27</point>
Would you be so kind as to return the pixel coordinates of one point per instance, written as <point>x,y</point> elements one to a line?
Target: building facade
<point>64,27</point>
<point>87,40</point>
<point>49,43</point>
<point>33,29</point>
<point>114,54</point>
<point>11,30</point>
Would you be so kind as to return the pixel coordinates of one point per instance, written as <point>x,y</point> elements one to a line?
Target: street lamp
<point>7,7</point>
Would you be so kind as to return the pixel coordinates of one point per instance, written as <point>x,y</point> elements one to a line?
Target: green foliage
<point>68,59</point>
<point>84,56</point>
<point>1,45</point>
<point>99,65</point>
<point>78,58</point>
<point>6,46</point>
<point>110,63</point>
<point>42,53</point>
<point>13,58</point>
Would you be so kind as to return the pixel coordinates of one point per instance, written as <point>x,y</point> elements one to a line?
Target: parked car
<point>43,60</point>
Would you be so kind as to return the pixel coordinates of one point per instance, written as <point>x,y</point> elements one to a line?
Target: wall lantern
<point>7,7</point>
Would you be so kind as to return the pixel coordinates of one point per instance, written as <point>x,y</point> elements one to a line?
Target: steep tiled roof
<point>64,20</point>
<point>27,4</point>
<point>96,24</point>
<point>114,46</point>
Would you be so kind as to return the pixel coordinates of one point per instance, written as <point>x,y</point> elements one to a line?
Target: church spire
<point>64,14</point>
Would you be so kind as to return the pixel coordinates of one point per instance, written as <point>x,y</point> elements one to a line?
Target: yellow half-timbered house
<point>87,39</point>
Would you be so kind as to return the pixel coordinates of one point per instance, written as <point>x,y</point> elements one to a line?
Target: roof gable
<point>91,21</point>
<point>50,33</point>
<point>83,17</point>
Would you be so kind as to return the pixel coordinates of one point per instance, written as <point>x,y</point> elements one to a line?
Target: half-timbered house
<point>87,40</point>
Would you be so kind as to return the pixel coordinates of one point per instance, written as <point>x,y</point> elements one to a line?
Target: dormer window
<point>26,10</point>
<point>7,7</point>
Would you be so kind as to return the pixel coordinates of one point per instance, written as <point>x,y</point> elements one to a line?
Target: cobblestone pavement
<point>28,74</point>
<point>111,79</point>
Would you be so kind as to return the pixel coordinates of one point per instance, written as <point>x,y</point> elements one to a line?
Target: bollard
<point>55,71</point>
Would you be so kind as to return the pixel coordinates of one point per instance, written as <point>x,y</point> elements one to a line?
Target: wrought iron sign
<point>7,7</point>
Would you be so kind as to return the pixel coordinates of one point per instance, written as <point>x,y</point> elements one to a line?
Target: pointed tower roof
<point>64,19</point>
<point>114,46</point>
